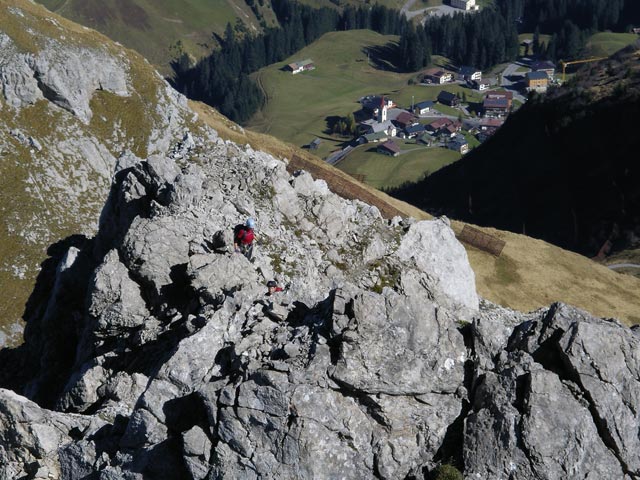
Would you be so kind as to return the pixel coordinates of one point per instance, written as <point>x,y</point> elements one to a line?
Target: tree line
<point>571,22</point>
<point>482,40</point>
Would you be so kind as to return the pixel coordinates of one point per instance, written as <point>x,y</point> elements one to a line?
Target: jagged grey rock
<point>31,437</point>
<point>200,374</point>
<point>377,360</point>
<point>64,74</point>
<point>445,273</point>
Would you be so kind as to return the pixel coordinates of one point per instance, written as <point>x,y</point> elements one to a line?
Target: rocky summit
<point>153,350</point>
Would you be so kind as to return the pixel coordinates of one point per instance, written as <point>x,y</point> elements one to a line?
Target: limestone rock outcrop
<point>154,350</point>
<point>377,360</point>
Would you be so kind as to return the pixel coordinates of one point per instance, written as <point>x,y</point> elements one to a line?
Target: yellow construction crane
<point>573,62</point>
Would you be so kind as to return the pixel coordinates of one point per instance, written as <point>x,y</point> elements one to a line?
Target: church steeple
<point>382,111</point>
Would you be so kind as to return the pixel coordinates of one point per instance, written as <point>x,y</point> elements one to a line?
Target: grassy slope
<point>152,26</point>
<point>343,76</point>
<point>604,44</point>
<point>528,275</point>
<point>383,171</point>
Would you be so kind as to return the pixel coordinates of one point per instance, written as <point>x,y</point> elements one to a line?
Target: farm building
<point>389,148</point>
<point>301,66</point>
<point>448,98</point>
<point>423,107</point>
<point>537,81</point>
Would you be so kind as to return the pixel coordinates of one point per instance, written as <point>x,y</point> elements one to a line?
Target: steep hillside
<point>153,348</point>
<point>564,168</point>
<point>154,28</point>
<point>72,103</point>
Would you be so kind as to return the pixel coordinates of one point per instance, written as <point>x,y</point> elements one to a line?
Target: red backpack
<point>245,236</point>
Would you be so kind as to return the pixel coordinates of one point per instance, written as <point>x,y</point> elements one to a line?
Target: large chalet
<point>497,103</point>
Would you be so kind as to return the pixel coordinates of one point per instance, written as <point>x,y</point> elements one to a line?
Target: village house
<point>469,73</point>
<point>544,66</point>
<point>487,123</point>
<point>436,75</point>
<point>301,66</point>
<point>389,148</point>
<point>459,144</point>
<point>448,98</point>
<point>497,103</point>
<point>373,126</point>
<point>414,130</point>
<point>486,133</point>
<point>425,139</point>
<point>374,137</point>
<point>450,130</point>
<point>438,124</point>
<point>480,85</point>
<point>464,4</point>
<point>537,81</point>
<point>405,119</point>
<point>423,107</point>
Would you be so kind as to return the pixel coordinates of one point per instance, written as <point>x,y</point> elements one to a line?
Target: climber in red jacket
<point>243,236</point>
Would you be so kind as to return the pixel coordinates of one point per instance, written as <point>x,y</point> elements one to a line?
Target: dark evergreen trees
<point>482,40</point>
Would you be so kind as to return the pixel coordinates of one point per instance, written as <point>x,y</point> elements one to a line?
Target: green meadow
<point>382,171</point>
<point>298,107</point>
<point>604,44</point>
<point>152,27</point>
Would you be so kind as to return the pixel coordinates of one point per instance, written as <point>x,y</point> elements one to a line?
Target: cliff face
<point>70,103</point>
<point>158,354</point>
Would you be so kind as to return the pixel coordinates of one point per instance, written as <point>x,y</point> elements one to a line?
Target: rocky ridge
<point>155,353</point>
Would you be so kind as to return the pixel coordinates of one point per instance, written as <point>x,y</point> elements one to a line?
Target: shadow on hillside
<point>475,107</point>
<point>48,336</point>
<point>383,57</point>
<point>331,122</point>
<point>332,130</point>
